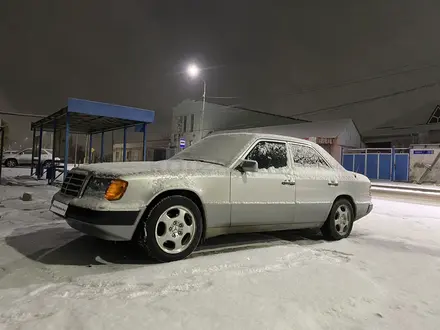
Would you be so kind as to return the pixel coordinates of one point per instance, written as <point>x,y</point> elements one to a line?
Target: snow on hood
<point>158,167</point>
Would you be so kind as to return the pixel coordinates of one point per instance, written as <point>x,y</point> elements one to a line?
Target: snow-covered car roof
<point>256,136</point>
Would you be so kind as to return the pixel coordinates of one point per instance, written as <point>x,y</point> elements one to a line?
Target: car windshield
<point>218,149</point>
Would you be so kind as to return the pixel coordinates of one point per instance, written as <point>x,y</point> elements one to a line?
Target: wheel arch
<point>350,199</point>
<point>190,194</point>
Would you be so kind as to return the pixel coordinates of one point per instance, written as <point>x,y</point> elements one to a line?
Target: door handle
<point>333,183</point>
<point>288,183</point>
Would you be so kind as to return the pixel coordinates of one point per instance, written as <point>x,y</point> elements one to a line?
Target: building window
<point>184,123</point>
<point>192,123</point>
<point>435,117</point>
<point>179,124</point>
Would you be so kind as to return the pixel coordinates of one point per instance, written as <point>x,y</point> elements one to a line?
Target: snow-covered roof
<point>414,122</point>
<point>325,129</point>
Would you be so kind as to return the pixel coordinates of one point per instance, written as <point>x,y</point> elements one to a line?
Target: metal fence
<point>378,164</point>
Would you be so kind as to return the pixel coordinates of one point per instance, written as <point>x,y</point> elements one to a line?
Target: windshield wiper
<point>202,161</point>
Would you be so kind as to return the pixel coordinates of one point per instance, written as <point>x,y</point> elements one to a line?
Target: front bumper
<point>112,225</point>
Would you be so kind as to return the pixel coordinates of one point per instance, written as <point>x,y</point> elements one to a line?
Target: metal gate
<point>378,164</point>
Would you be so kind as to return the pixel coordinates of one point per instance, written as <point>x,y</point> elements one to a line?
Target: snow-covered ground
<point>16,171</point>
<point>385,276</point>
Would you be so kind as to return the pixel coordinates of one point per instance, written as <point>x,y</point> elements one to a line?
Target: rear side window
<point>306,156</point>
<point>269,154</point>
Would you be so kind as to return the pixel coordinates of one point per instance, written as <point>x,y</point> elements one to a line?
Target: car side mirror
<point>248,165</point>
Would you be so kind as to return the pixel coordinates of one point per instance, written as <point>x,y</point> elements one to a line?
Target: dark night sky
<point>131,52</point>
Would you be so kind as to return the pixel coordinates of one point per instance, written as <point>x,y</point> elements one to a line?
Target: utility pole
<point>202,116</point>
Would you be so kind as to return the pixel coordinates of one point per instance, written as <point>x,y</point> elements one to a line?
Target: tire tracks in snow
<point>175,282</point>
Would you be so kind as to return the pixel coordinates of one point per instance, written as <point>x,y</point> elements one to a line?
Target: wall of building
<point>349,136</point>
<point>187,116</point>
<point>135,152</point>
<point>421,158</point>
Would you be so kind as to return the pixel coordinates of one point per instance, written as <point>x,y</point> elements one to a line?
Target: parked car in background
<point>10,152</point>
<point>226,183</point>
<point>24,157</point>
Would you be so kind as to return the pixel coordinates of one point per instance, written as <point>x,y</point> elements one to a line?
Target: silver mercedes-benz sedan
<point>226,183</point>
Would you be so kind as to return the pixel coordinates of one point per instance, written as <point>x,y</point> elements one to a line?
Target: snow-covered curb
<point>404,188</point>
<point>406,192</point>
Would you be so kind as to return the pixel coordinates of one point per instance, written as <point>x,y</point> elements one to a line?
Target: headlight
<point>116,190</point>
<point>97,187</point>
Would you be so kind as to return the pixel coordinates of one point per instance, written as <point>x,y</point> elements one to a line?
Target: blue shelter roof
<point>93,117</point>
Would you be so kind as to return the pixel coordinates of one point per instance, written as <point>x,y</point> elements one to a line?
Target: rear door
<point>316,184</point>
<point>265,197</point>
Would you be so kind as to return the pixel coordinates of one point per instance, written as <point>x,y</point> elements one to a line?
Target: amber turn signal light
<point>116,190</point>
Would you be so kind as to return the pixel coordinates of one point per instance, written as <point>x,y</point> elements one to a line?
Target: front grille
<point>72,184</point>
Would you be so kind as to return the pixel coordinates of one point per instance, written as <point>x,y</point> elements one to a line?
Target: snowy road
<point>385,276</point>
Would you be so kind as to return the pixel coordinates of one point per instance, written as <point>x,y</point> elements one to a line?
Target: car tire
<point>174,215</point>
<point>339,222</point>
<point>11,162</point>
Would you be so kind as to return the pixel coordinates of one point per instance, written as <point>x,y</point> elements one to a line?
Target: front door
<point>25,157</point>
<point>316,184</point>
<point>265,197</point>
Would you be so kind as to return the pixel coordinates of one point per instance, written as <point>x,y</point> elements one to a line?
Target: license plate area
<point>59,208</point>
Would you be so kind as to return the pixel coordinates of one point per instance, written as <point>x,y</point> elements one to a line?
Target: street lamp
<point>193,72</point>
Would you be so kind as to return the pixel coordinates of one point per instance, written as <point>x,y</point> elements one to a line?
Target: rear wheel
<point>11,162</point>
<point>340,221</point>
<point>172,229</point>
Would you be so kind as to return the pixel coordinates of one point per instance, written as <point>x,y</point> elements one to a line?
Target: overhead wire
<point>348,82</point>
<point>370,99</point>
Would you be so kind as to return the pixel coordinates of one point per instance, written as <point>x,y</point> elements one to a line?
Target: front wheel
<point>339,222</point>
<point>172,229</point>
<point>11,163</point>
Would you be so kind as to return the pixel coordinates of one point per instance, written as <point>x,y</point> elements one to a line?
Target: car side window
<point>28,152</point>
<point>269,154</point>
<point>306,156</point>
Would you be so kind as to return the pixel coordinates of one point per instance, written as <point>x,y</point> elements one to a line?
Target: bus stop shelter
<point>90,118</point>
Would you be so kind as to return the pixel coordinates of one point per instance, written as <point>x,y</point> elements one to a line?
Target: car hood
<point>164,167</point>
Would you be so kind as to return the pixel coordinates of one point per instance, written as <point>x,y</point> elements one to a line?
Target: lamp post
<point>193,72</point>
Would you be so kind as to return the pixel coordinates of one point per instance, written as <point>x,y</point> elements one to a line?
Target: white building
<point>187,116</point>
<point>135,151</point>
<point>332,135</point>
